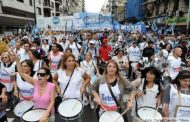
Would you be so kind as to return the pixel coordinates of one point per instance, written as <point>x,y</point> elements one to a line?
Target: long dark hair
<point>157,80</point>
<point>50,79</point>
<point>182,75</point>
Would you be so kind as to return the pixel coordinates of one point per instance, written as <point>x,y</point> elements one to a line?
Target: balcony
<point>58,1</point>
<point>58,10</point>
<point>148,2</point>
<point>47,5</point>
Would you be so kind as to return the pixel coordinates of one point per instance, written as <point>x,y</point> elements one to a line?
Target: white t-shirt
<point>134,54</point>
<point>23,55</point>
<point>75,50</point>
<point>73,90</point>
<point>120,61</point>
<point>46,49</point>
<point>106,96</point>
<point>5,76</point>
<point>64,45</point>
<point>55,61</point>
<point>173,66</point>
<point>89,68</point>
<point>26,90</point>
<point>38,65</point>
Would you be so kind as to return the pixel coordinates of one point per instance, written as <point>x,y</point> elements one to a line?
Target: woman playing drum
<point>44,91</point>
<point>149,91</point>
<point>175,95</point>
<point>117,83</point>
<point>74,76</point>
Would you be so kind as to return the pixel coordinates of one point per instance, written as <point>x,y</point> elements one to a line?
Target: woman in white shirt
<point>35,56</point>
<point>45,47</point>
<point>78,78</point>
<point>89,66</point>
<point>122,62</point>
<point>175,95</point>
<point>23,89</point>
<point>149,91</point>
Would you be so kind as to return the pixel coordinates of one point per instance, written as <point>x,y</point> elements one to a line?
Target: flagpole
<point>188,19</point>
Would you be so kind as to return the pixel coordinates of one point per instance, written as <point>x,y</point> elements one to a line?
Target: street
<point>88,115</point>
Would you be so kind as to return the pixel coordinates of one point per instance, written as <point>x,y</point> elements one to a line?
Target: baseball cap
<point>92,42</point>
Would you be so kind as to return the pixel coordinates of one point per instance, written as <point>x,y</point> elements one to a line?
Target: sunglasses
<point>41,74</point>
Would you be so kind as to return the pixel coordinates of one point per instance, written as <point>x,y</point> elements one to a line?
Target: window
<point>30,1</point>
<point>39,11</point>
<point>21,1</point>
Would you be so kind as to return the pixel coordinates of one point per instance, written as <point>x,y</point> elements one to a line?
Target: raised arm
<point>25,76</point>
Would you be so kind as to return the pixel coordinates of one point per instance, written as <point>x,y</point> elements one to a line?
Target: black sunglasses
<point>41,74</point>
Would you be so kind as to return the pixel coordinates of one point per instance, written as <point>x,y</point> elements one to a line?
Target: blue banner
<point>138,27</point>
<point>92,21</point>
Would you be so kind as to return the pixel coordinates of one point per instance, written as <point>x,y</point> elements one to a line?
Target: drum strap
<point>113,96</point>
<point>68,83</point>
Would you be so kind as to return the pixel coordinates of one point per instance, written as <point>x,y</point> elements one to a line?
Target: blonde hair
<point>3,47</point>
<point>117,71</point>
<point>7,54</point>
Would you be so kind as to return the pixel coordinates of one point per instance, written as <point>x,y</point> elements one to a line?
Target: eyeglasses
<point>4,57</point>
<point>41,74</point>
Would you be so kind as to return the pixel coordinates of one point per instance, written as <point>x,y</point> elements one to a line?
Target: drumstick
<point>75,105</point>
<point>121,115</point>
<point>81,95</point>
<point>156,111</point>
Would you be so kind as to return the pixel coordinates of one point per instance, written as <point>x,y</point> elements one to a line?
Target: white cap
<point>92,42</point>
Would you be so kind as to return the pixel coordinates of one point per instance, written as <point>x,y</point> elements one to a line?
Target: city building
<point>48,8</point>
<point>134,10</point>
<point>73,6</point>
<point>19,14</point>
<point>15,14</point>
<point>166,12</point>
<point>121,11</point>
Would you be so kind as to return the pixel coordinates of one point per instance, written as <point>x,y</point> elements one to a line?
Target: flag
<point>170,29</point>
<point>154,26</point>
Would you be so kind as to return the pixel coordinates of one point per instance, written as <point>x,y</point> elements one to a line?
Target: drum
<point>149,113</point>
<point>111,116</point>
<point>70,109</point>
<point>22,107</point>
<point>33,115</point>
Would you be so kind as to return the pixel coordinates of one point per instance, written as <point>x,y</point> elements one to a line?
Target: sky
<point>94,5</point>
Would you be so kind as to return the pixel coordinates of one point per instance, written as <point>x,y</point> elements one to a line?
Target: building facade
<point>134,10</point>
<point>21,14</point>
<point>73,6</point>
<point>166,11</point>
<point>14,15</point>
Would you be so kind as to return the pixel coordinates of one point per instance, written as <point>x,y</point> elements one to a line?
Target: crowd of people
<point>97,68</point>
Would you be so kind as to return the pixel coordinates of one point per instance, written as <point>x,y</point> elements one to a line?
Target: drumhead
<point>22,107</point>
<point>33,115</point>
<point>147,113</point>
<point>111,116</point>
<point>70,108</point>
